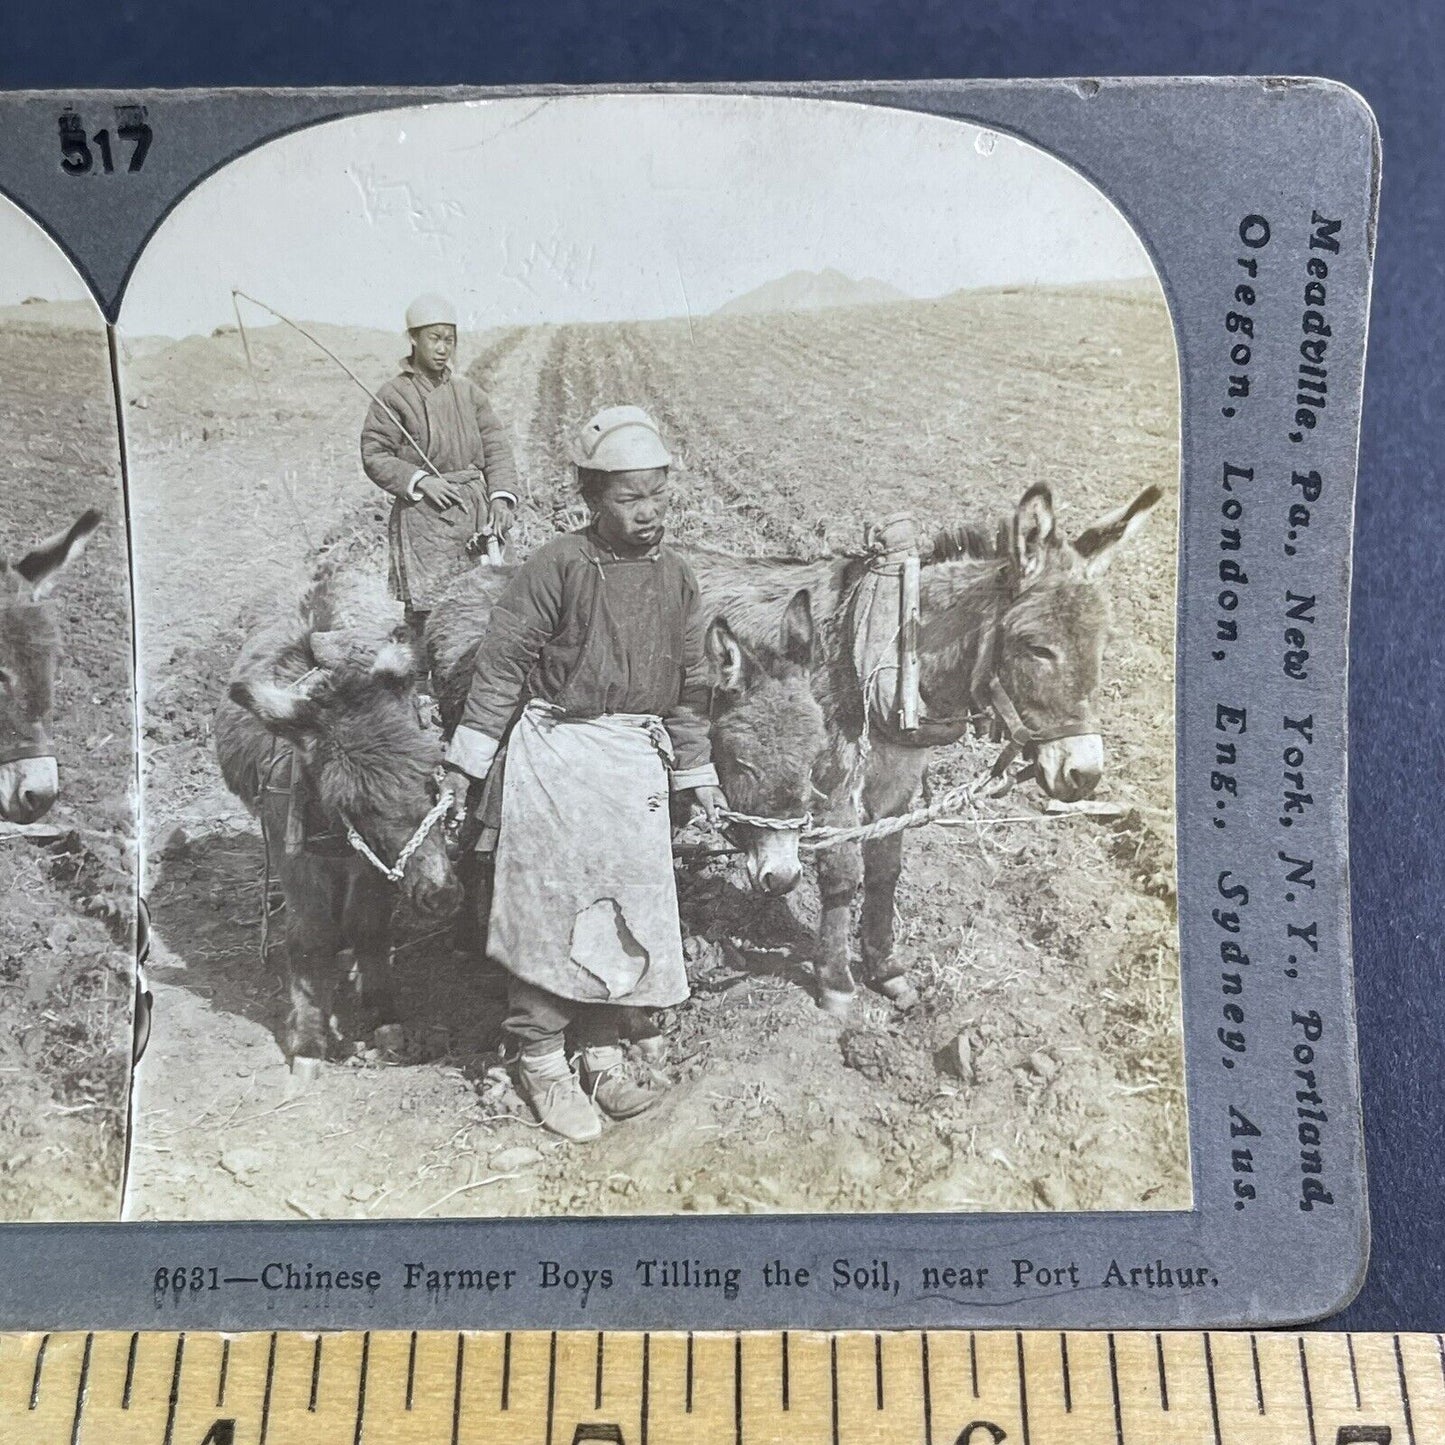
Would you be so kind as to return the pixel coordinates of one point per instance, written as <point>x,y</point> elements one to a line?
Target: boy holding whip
<point>432,440</point>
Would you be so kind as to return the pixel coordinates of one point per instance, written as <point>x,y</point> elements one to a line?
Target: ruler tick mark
<point>1354,1371</point>
<point>785,1380</point>
<point>315,1374</point>
<point>1163,1379</point>
<point>1114,1388</point>
<point>1064,1370</point>
<point>82,1389</point>
<point>646,1387</point>
<point>1213,1394</point>
<point>507,1371</point>
<point>551,1385</point>
<point>411,1371</point>
<point>738,1389</point>
<point>360,1385</point>
<point>597,1382</point>
<point>928,1392</point>
<point>1404,1393</point>
<point>973,1362</point>
<point>457,1388</point>
<point>877,1372</point>
<point>833,1370</point>
<point>39,1365</point>
<point>175,1394</point>
<point>1023,1386</point>
<point>266,1394</point>
<point>689,1372</point>
<point>1304,1371</point>
<point>1258,1377</point>
<point>130,1371</point>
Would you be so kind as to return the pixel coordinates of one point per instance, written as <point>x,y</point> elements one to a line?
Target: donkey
<point>767,729</point>
<point>766,724</point>
<point>321,736</point>
<point>29,644</point>
<point>1013,621</point>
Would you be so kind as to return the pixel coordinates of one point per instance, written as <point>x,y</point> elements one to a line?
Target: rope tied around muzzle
<point>816,839</point>
<point>771,825</point>
<point>397,870</point>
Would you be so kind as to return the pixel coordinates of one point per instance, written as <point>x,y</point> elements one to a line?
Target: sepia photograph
<point>656,669</point>
<point>67,748</point>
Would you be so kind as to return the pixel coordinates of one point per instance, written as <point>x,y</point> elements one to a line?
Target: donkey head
<point>767,731</point>
<point>29,642</point>
<point>366,757</point>
<point>1044,666</point>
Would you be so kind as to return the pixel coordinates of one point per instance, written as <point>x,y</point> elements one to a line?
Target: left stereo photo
<point>68,795</point>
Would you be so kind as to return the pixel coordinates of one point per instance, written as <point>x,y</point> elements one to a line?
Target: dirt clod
<point>507,1161</point>
<point>956,1058</point>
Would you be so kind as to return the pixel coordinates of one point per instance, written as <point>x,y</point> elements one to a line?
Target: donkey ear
<point>797,638</point>
<point>279,709</point>
<point>395,665</point>
<point>1097,544</point>
<point>730,660</point>
<point>1033,531</point>
<point>43,566</point>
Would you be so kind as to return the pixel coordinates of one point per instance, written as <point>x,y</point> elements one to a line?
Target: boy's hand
<point>459,783</point>
<point>441,492</point>
<point>500,516</point>
<point>710,799</point>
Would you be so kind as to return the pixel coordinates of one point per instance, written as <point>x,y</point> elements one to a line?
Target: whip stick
<point>322,346</point>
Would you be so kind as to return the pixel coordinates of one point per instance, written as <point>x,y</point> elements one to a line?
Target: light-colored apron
<point>584,904</point>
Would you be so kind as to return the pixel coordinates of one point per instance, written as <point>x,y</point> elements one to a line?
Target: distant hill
<point>811,291</point>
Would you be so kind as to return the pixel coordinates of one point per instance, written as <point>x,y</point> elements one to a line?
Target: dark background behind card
<point>1390,53</point>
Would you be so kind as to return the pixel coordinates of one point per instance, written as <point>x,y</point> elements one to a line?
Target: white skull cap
<point>430,311</point>
<point>619,439</point>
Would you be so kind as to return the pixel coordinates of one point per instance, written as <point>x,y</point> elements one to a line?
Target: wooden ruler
<point>792,1388</point>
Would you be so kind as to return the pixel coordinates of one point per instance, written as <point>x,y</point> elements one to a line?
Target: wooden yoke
<point>893,542</point>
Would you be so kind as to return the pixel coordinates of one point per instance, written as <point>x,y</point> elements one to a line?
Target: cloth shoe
<point>551,1088</point>
<point>605,1078</point>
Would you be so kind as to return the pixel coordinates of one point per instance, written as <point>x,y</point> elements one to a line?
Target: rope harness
<point>1019,737</point>
<point>397,870</point>
<point>393,873</point>
<point>24,749</point>
<point>953,800</point>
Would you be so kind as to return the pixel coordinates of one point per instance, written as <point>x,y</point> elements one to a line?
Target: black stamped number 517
<point>124,145</point>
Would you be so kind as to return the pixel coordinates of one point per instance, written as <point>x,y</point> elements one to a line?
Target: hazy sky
<point>34,264</point>
<point>617,207</point>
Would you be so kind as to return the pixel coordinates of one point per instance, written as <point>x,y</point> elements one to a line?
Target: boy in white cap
<point>592,670</point>
<point>432,440</point>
